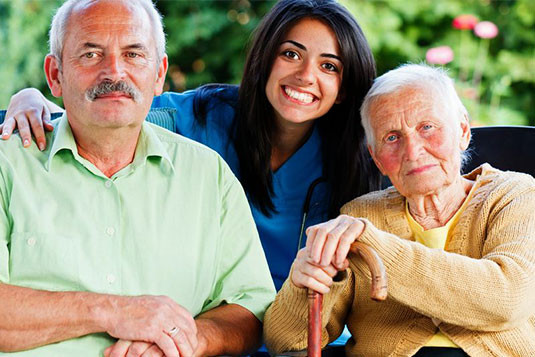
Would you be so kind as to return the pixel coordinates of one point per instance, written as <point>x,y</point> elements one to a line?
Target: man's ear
<point>377,163</point>
<point>53,74</point>
<point>160,79</point>
<point>466,134</point>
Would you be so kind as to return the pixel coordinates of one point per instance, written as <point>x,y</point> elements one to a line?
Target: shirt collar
<point>149,145</point>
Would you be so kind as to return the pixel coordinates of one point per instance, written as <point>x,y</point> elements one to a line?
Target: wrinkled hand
<point>149,319</point>
<point>124,348</point>
<point>306,274</point>
<point>28,111</point>
<point>329,243</point>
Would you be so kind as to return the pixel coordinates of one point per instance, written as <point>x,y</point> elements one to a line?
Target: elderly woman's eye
<point>427,126</point>
<point>391,138</point>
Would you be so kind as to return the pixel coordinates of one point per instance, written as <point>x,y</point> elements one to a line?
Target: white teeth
<point>302,97</point>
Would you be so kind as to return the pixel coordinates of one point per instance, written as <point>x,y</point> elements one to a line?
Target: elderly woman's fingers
<point>308,275</point>
<point>316,237</point>
<point>331,242</point>
<point>346,239</point>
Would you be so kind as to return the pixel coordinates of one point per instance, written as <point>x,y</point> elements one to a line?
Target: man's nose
<point>113,68</point>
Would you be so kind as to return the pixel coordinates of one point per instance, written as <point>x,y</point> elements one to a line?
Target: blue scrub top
<point>280,232</point>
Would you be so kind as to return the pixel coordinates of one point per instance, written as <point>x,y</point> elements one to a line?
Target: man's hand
<point>328,243</point>
<point>28,110</point>
<point>124,348</point>
<point>153,319</point>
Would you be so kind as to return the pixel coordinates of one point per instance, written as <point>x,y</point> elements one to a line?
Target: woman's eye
<point>290,54</point>
<point>330,67</point>
<point>427,127</point>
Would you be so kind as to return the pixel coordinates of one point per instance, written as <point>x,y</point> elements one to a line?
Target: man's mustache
<point>107,87</point>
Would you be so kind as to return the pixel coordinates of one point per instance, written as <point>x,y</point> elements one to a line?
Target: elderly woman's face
<point>417,140</point>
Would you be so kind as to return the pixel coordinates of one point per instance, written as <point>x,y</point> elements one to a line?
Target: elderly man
<point>138,234</point>
<point>459,251</point>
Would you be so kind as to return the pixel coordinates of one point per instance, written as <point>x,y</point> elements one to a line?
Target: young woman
<point>291,131</point>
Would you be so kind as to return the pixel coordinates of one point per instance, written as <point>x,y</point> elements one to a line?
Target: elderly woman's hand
<point>306,274</point>
<point>328,243</point>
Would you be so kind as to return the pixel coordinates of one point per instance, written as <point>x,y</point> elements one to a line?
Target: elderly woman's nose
<point>412,148</point>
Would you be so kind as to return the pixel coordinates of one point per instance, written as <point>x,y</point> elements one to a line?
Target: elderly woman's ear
<point>465,132</point>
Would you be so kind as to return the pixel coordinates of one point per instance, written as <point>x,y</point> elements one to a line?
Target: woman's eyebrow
<point>303,47</point>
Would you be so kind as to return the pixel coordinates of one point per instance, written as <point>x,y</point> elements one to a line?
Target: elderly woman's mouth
<point>420,169</point>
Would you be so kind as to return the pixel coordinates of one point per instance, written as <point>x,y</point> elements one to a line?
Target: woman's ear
<point>466,134</point>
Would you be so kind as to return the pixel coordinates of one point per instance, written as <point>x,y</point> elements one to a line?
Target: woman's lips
<point>420,169</point>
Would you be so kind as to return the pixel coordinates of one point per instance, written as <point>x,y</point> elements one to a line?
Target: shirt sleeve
<point>242,273</point>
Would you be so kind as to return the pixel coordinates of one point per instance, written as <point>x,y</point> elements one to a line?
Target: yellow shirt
<point>437,238</point>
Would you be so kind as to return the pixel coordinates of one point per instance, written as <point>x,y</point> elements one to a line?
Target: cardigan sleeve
<point>286,320</point>
<point>492,293</point>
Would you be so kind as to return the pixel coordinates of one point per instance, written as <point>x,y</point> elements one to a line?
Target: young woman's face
<point>305,79</point>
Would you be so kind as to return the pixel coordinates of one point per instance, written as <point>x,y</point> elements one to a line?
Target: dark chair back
<point>503,147</point>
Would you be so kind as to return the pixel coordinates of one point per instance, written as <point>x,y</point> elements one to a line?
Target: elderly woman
<point>459,251</point>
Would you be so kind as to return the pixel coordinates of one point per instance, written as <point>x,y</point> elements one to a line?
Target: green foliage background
<point>207,42</point>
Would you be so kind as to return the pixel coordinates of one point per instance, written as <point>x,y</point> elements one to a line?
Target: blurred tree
<point>207,42</point>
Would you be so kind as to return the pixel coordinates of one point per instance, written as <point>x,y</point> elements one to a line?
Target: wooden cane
<point>378,292</point>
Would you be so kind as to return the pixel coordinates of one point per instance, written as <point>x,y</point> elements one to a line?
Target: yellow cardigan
<point>481,288</point>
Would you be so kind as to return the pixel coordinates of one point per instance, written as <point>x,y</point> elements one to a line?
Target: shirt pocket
<point>43,261</point>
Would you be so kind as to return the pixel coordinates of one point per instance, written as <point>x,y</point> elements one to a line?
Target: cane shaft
<point>315,301</point>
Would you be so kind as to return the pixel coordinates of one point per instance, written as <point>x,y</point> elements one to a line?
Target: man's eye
<point>290,54</point>
<point>90,55</point>
<point>132,55</point>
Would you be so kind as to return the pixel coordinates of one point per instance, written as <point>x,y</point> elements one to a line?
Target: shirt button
<point>110,231</point>
<point>31,241</point>
<point>108,184</point>
<point>110,278</point>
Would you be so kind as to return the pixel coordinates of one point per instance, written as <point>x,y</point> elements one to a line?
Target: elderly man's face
<point>110,71</point>
<point>417,140</point>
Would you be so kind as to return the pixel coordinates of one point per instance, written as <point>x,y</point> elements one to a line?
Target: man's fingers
<point>120,348</point>
<point>24,130</point>
<point>153,351</point>
<point>183,343</point>
<point>167,345</point>
<point>137,348</point>
<point>7,127</point>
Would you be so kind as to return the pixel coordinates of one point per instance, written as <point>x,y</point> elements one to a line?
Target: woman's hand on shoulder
<point>329,243</point>
<point>29,112</point>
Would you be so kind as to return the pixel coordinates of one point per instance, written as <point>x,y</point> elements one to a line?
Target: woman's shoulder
<point>209,96</point>
<point>372,201</point>
<point>495,180</point>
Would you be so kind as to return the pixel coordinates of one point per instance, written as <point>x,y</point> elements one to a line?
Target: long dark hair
<point>347,166</point>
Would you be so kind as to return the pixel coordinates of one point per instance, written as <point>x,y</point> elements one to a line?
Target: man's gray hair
<point>434,79</point>
<point>61,19</point>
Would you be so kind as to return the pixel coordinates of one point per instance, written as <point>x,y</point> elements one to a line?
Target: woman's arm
<point>29,110</point>
<point>286,320</point>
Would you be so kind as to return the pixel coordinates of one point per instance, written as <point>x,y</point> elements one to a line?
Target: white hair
<point>61,19</point>
<point>434,79</point>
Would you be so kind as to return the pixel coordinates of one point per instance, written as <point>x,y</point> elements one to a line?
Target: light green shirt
<point>174,222</point>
